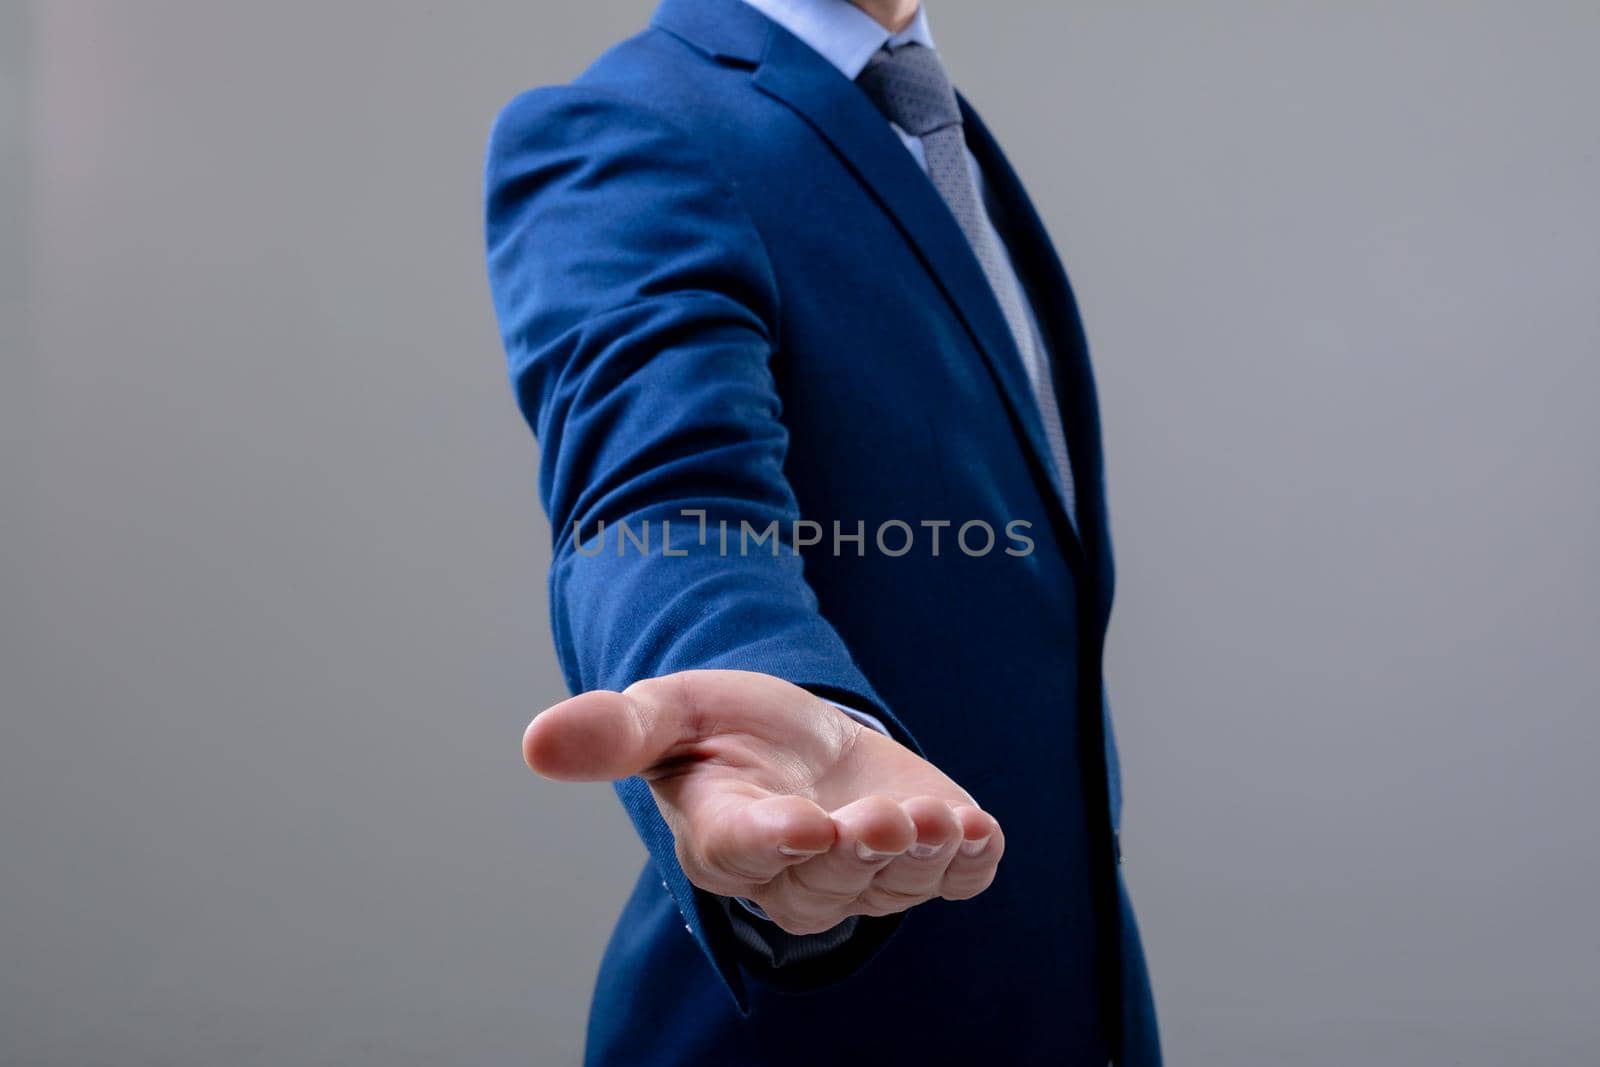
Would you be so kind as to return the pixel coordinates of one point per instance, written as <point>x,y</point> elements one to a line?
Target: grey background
<point>272,590</point>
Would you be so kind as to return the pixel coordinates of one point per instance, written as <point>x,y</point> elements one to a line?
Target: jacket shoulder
<point>651,80</point>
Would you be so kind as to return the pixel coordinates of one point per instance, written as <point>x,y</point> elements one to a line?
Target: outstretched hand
<point>776,796</point>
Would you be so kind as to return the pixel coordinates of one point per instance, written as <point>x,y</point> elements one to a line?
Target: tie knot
<point>910,87</point>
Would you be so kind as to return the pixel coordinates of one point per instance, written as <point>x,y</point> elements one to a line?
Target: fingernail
<point>787,851</point>
<point>871,855</point>
<point>972,848</point>
<point>925,852</point>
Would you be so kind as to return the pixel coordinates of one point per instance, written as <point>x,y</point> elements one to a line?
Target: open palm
<point>775,796</point>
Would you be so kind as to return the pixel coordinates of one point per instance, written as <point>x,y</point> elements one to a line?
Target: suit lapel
<point>1057,309</point>
<point>795,75</point>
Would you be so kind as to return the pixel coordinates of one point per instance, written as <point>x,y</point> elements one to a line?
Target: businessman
<point>832,571</point>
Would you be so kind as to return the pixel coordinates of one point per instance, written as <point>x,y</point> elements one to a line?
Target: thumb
<point>600,736</point>
<point>603,735</point>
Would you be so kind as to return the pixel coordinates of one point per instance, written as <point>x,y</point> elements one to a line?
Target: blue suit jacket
<point>725,286</point>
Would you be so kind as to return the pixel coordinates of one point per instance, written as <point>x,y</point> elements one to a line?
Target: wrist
<point>872,722</point>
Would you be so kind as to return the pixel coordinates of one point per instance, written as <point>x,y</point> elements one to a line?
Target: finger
<point>750,842</point>
<point>917,874</point>
<point>973,867</point>
<point>816,895</point>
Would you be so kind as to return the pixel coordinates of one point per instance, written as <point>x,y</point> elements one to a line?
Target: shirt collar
<point>840,32</point>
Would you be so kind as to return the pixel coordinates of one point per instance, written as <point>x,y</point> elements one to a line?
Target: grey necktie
<point>910,87</point>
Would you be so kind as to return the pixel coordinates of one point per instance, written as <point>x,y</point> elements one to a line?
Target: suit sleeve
<point>638,311</point>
